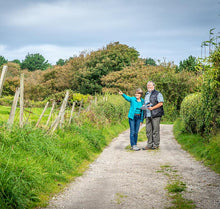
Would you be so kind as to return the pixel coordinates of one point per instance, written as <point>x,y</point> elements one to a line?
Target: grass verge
<point>35,165</point>
<point>202,149</point>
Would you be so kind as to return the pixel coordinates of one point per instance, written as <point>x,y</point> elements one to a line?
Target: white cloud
<point>71,16</point>
<point>52,53</point>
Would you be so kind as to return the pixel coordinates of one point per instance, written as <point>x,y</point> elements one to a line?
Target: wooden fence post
<point>95,100</point>
<point>42,114</point>
<point>13,108</point>
<point>72,110</point>
<point>21,100</point>
<point>80,107</point>
<point>4,71</point>
<point>62,111</point>
<point>48,120</point>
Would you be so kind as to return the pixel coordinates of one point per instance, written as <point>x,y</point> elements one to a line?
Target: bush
<point>6,101</point>
<point>192,113</point>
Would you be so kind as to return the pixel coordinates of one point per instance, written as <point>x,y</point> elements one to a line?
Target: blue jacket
<point>133,106</point>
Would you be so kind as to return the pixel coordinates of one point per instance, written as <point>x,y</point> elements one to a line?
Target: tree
<point>34,62</point>
<point>113,57</point>
<point>188,64</point>
<point>16,61</point>
<point>150,61</point>
<point>60,62</point>
<point>2,60</point>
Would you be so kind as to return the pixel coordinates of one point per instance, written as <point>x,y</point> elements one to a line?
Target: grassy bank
<point>206,150</point>
<point>34,165</point>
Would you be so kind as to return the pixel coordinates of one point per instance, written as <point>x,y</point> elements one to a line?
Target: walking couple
<point>149,108</point>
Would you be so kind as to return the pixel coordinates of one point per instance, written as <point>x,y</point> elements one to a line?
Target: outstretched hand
<point>120,92</point>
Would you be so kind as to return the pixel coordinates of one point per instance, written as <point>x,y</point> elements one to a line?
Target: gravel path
<point>126,179</point>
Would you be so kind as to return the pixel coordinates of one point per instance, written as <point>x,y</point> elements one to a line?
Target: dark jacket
<point>153,100</point>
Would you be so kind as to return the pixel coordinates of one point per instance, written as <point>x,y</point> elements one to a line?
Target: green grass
<point>176,188</point>
<point>201,148</point>
<point>34,165</point>
<point>120,198</point>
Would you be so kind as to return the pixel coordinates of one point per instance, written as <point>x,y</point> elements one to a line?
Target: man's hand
<point>156,106</point>
<point>150,108</point>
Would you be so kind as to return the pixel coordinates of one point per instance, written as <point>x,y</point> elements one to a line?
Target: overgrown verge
<point>206,150</point>
<point>35,165</point>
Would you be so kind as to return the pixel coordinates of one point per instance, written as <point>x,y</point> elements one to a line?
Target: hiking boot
<point>146,148</point>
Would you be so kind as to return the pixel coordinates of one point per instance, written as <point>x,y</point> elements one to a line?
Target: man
<point>154,111</point>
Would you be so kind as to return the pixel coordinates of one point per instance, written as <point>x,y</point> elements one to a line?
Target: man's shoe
<point>136,148</point>
<point>146,148</point>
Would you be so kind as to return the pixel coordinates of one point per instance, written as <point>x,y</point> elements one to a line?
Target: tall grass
<point>203,149</point>
<point>34,165</point>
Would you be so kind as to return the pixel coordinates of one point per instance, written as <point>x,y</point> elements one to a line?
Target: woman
<point>135,115</point>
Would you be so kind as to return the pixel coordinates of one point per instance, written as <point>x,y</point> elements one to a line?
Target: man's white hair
<point>151,83</point>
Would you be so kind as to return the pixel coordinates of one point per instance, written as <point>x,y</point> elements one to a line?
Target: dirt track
<point>120,178</point>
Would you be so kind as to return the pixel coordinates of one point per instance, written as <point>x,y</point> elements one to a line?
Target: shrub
<point>6,101</point>
<point>79,97</point>
<point>192,113</point>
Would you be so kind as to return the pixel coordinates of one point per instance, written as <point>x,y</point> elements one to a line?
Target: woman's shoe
<point>136,148</point>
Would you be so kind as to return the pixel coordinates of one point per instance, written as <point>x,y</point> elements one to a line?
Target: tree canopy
<point>188,64</point>
<point>34,62</point>
<point>2,60</point>
<point>150,61</point>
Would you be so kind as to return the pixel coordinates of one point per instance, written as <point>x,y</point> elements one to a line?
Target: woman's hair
<point>139,90</point>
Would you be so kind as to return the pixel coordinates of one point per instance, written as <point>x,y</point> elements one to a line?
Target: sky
<point>166,30</point>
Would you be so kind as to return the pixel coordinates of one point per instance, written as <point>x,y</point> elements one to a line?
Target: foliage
<point>173,86</point>
<point>211,94</point>
<point>81,73</point>
<point>203,149</point>
<point>60,62</point>
<point>192,113</point>
<point>2,60</point>
<point>113,57</point>
<point>207,117</point>
<point>73,97</point>
<point>34,62</point>
<point>16,61</point>
<point>79,97</point>
<point>6,101</point>
<point>150,61</point>
<point>188,64</point>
